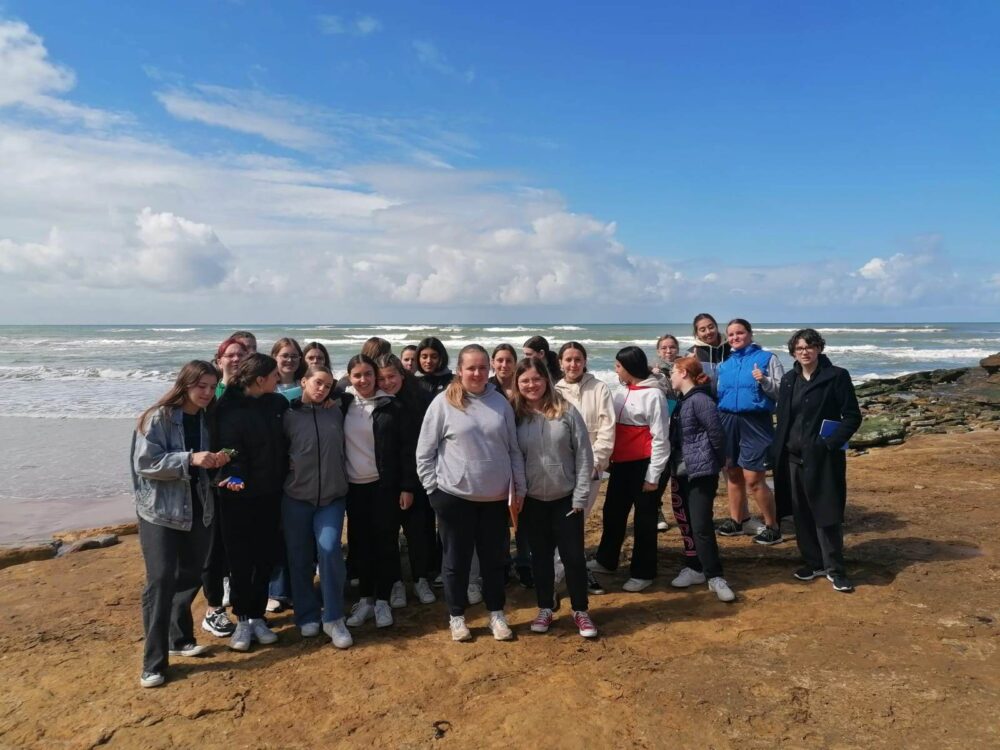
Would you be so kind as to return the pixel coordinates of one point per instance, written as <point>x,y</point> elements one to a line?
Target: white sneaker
<point>383,614</point>
<point>498,624</point>
<point>241,637</point>
<point>595,567</point>
<point>397,597</point>
<point>474,593</point>
<point>423,591</point>
<point>261,632</point>
<point>721,589</point>
<point>361,612</point>
<point>340,636</point>
<point>225,591</point>
<point>635,585</point>
<point>309,630</point>
<point>459,630</point>
<point>753,526</point>
<point>687,577</point>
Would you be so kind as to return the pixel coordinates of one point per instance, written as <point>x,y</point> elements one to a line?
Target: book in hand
<point>828,427</point>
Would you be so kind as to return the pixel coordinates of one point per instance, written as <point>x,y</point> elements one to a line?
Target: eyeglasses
<point>289,357</point>
<point>801,349</point>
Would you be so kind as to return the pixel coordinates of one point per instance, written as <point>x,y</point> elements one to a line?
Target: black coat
<point>828,395</point>
<point>696,433</point>
<point>395,431</point>
<point>254,428</point>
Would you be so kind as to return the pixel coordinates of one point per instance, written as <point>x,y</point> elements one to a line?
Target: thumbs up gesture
<point>757,373</point>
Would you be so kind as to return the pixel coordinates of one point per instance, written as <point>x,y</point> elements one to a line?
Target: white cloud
<point>429,55</point>
<point>359,26</point>
<point>30,81</point>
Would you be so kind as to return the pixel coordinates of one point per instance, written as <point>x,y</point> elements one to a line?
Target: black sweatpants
<point>466,526</point>
<point>373,517</point>
<point>625,491</point>
<point>216,566</point>
<point>174,560</point>
<point>689,555</point>
<point>547,527</point>
<point>698,499</point>
<point>250,529</point>
<point>821,547</point>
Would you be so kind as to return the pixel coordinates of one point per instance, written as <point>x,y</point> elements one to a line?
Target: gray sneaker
<point>261,632</point>
<point>397,597</point>
<point>242,636</point>
<point>340,636</point>
<point>188,649</point>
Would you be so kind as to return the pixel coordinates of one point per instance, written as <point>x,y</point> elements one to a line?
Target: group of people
<point>245,470</point>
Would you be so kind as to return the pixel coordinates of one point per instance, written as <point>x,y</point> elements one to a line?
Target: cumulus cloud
<point>32,82</point>
<point>430,56</point>
<point>358,26</point>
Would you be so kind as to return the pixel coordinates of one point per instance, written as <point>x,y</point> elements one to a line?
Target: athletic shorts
<point>748,439</point>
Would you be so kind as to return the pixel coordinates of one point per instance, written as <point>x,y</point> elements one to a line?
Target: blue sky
<point>781,161</point>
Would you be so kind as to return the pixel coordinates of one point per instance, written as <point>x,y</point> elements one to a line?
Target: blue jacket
<point>738,391</point>
<point>696,434</point>
<point>161,473</point>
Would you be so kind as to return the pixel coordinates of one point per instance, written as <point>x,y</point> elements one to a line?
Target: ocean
<point>68,394</point>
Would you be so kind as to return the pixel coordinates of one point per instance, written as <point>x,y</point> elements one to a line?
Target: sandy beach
<point>909,660</point>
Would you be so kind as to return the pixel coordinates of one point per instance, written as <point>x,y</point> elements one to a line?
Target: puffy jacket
<point>395,434</point>
<point>557,456</point>
<point>592,398</point>
<point>161,472</point>
<point>436,381</point>
<point>642,427</point>
<point>254,427</point>
<point>697,435</point>
<point>738,391</point>
<point>316,472</point>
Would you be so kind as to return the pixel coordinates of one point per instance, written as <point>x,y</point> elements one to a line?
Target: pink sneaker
<point>542,621</point>
<point>585,624</point>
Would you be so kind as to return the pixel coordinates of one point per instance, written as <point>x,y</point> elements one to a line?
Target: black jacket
<point>696,435</point>
<point>253,427</point>
<point>395,431</point>
<point>436,381</point>
<point>828,395</point>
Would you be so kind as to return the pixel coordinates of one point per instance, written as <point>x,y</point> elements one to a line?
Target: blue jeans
<point>313,533</point>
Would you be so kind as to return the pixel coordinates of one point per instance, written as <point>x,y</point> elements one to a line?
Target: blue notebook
<point>828,427</point>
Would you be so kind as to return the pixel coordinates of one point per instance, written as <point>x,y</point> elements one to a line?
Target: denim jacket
<point>160,473</point>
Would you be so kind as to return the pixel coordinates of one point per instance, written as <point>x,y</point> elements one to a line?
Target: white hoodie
<point>642,427</point>
<point>592,398</point>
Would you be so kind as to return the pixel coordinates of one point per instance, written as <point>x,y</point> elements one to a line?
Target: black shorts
<point>748,439</point>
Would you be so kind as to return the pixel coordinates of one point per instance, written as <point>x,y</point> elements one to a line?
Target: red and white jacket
<point>642,427</point>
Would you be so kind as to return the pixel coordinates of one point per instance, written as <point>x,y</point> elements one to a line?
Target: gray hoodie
<point>472,454</point>
<point>317,472</point>
<point>558,460</point>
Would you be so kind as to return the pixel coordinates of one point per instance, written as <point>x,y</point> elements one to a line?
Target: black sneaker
<point>593,585</point>
<point>217,623</point>
<point>840,583</point>
<point>769,535</point>
<point>807,574</point>
<point>730,527</point>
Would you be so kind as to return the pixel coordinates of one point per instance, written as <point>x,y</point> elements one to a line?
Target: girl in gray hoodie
<point>558,465</point>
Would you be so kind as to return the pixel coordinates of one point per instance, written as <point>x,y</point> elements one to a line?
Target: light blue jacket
<point>161,466</point>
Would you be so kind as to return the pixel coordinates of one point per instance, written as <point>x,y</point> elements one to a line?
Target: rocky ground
<point>909,660</point>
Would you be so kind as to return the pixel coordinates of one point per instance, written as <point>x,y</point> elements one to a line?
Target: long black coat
<point>828,395</point>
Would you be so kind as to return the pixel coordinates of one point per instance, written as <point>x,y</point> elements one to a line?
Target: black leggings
<point>698,498</point>
<point>414,521</point>
<point>547,527</point>
<point>250,528</point>
<point>373,516</point>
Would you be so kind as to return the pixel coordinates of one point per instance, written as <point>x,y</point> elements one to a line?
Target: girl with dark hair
<point>538,347</point>
<point>394,380</point>
<point>247,339</point>
<point>248,422</point>
<point>810,473</point>
<point>698,455</point>
<point>470,464</point>
<point>710,347</point>
<point>592,398</point>
<point>667,348</point>
<point>291,367</point>
<point>504,361</point>
<point>175,507</point>
<point>432,365</point>
<point>314,354</point>
<point>558,467</point>
<point>313,506</point>
<point>638,461</point>
<point>747,387</point>
<point>381,478</point>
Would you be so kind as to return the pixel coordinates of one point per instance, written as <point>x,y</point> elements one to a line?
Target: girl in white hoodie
<point>640,455</point>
